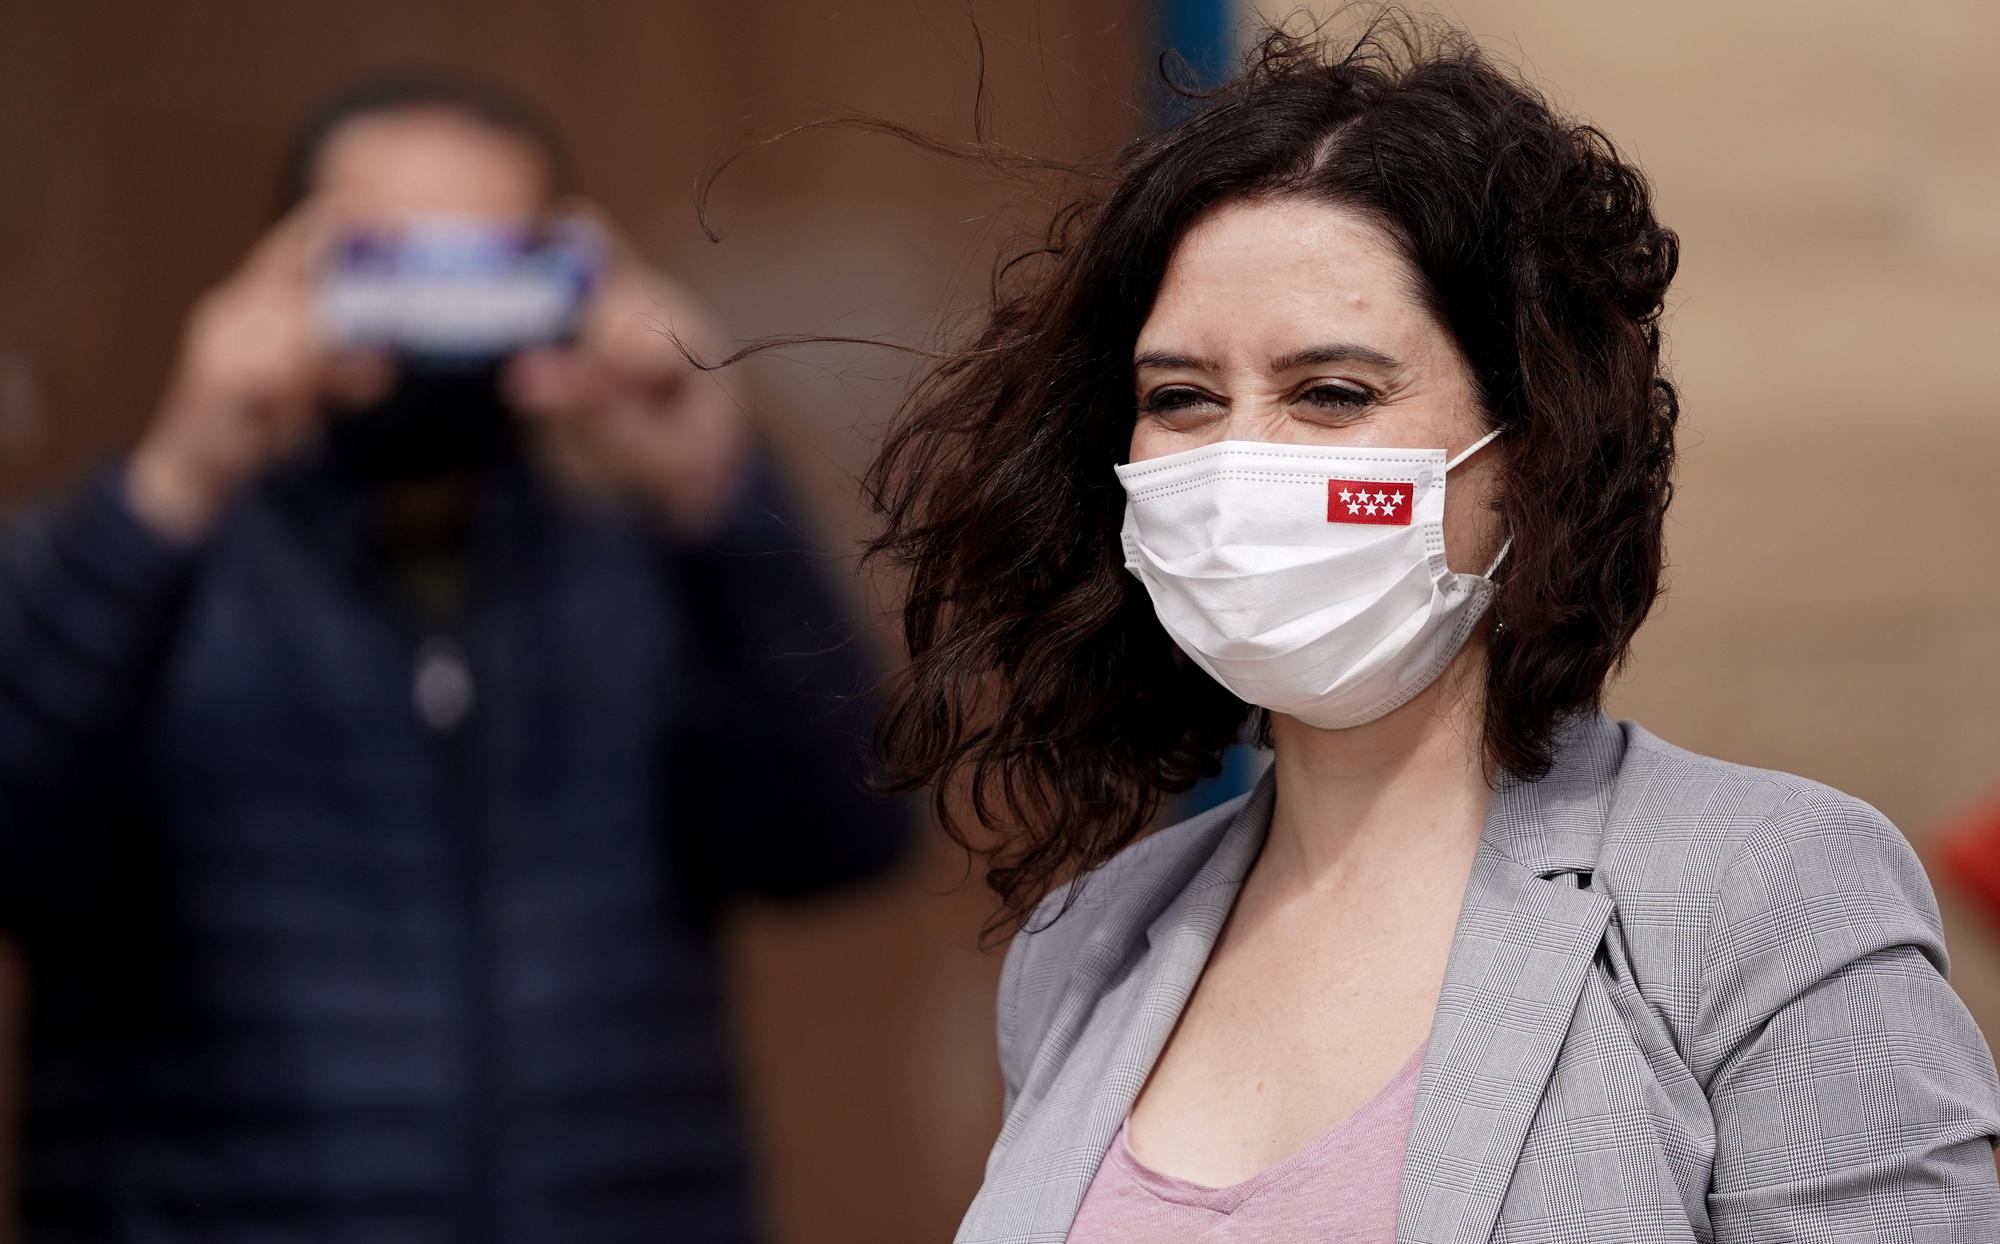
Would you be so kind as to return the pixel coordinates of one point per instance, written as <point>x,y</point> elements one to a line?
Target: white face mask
<point>1307,579</point>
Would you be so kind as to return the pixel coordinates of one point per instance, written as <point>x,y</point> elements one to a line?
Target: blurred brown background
<point>1830,167</point>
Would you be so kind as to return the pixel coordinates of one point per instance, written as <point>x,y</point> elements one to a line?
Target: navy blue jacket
<point>320,954</point>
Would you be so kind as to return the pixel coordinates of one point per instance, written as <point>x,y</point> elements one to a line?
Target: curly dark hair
<point>1044,705</point>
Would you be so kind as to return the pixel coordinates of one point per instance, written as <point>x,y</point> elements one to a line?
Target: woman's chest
<point>1284,1037</point>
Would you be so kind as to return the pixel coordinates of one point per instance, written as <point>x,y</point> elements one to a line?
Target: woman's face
<point>1292,322</point>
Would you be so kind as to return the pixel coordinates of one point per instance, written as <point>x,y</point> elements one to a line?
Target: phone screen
<point>455,293</point>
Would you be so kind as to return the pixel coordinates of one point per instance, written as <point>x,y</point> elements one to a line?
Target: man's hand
<point>624,406</point>
<point>253,376</point>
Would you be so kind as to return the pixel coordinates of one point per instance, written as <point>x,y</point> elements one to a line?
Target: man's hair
<point>410,90</point>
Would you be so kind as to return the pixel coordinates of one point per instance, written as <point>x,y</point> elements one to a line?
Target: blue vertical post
<point>1203,34</point>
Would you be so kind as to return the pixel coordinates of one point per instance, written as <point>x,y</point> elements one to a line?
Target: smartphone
<point>452,294</point>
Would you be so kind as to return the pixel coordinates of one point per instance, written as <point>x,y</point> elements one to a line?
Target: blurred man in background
<point>380,739</point>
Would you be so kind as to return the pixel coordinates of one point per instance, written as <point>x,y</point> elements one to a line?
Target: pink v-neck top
<point>1340,1189</point>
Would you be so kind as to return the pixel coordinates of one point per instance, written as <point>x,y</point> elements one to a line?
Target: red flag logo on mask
<point>1366,501</point>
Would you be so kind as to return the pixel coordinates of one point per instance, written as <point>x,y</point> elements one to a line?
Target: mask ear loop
<point>1506,544</point>
<point>1472,449</point>
<point>1465,453</point>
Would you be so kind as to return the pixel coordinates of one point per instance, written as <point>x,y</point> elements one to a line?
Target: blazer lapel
<point>1518,961</point>
<point>1114,1033</point>
<point>1526,934</point>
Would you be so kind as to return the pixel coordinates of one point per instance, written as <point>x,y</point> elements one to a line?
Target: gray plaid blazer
<point>1686,1000</point>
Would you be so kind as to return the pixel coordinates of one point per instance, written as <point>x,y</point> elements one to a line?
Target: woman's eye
<point>1337,396</point>
<point>1168,401</point>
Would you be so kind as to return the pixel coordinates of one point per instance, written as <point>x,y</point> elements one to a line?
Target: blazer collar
<point>1526,933</point>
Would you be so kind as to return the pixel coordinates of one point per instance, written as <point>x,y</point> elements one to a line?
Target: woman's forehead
<point>1274,275</point>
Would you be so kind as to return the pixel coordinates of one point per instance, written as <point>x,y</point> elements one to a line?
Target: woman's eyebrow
<point>1337,352</point>
<point>1169,360</point>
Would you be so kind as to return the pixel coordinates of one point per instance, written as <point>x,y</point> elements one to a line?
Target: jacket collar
<point>1555,824</point>
<point>1526,933</point>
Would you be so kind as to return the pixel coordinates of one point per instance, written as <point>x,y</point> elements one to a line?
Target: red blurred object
<point>1968,848</point>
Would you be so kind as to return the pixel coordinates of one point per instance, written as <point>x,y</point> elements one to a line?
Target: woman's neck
<point>1404,792</point>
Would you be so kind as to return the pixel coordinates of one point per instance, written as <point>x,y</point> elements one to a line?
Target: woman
<point>1336,410</point>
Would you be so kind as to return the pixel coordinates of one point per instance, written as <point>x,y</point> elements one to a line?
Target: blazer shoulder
<point>1714,865</point>
<point>1745,789</point>
<point>1114,901</point>
<point>1135,883</point>
<point>1699,809</point>
<point>1785,932</point>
